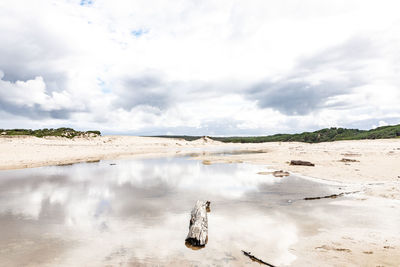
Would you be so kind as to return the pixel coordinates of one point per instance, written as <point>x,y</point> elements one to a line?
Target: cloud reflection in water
<point>138,211</point>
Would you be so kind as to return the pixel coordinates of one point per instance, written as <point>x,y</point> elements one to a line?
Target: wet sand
<point>136,213</point>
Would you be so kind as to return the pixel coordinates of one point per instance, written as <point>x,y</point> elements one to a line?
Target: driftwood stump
<point>301,163</point>
<point>198,227</point>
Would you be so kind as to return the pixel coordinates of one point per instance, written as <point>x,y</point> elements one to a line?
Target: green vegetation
<point>62,132</point>
<point>324,135</point>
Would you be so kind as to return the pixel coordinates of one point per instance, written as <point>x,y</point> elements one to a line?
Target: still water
<point>136,212</point>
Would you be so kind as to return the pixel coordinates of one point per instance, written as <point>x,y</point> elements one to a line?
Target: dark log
<point>301,163</point>
<point>198,227</point>
<point>280,173</point>
<point>255,259</point>
<point>349,160</point>
<point>331,196</point>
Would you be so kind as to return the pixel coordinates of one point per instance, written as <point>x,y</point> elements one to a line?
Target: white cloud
<point>23,93</point>
<point>158,66</point>
<point>33,94</point>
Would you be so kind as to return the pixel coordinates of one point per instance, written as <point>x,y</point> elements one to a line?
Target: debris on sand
<point>301,163</point>
<point>331,196</point>
<point>388,247</point>
<point>326,247</point>
<point>348,160</point>
<point>255,259</point>
<point>93,161</point>
<point>280,173</point>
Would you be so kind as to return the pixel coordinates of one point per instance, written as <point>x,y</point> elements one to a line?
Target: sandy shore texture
<point>344,161</point>
<point>371,165</point>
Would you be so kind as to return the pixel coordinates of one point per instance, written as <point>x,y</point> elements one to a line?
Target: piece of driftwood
<point>198,227</point>
<point>255,259</point>
<point>280,173</point>
<point>349,160</point>
<point>331,196</point>
<point>301,163</point>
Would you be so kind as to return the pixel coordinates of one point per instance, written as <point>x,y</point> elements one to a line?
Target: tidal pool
<point>136,212</point>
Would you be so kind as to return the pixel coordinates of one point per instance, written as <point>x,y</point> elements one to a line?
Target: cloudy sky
<point>199,67</point>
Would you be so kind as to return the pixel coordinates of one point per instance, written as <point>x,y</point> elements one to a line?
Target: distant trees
<point>323,135</point>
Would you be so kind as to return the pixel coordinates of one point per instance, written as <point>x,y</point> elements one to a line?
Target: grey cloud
<point>295,95</point>
<point>30,49</point>
<point>151,89</point>
<point>348,56</point>
<point>54,82</point>
<point>144,90</point>
<point>35,112</point>
<point>32,52</point>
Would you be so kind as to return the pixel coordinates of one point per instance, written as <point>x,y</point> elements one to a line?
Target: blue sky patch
<point>86,2</point>
<point>139,32</point>
<point>104,88</point>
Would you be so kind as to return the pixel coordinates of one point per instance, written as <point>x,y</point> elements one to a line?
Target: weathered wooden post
<point>198,227</point>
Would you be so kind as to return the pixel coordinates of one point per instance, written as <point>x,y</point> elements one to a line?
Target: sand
<point>373,166</point>
<point>373,163</point>
<point>375,160</point>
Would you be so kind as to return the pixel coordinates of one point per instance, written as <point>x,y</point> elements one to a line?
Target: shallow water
<point>136,212</point>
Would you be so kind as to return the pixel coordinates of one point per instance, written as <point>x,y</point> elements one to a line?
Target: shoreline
<point>372,161</point>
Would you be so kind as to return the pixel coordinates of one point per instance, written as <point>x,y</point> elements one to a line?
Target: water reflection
<point>137,212</point>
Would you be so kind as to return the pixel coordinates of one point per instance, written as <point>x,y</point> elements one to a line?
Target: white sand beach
<point>375,160</point>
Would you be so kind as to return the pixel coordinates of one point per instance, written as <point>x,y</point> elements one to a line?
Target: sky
<point>152,67</point>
